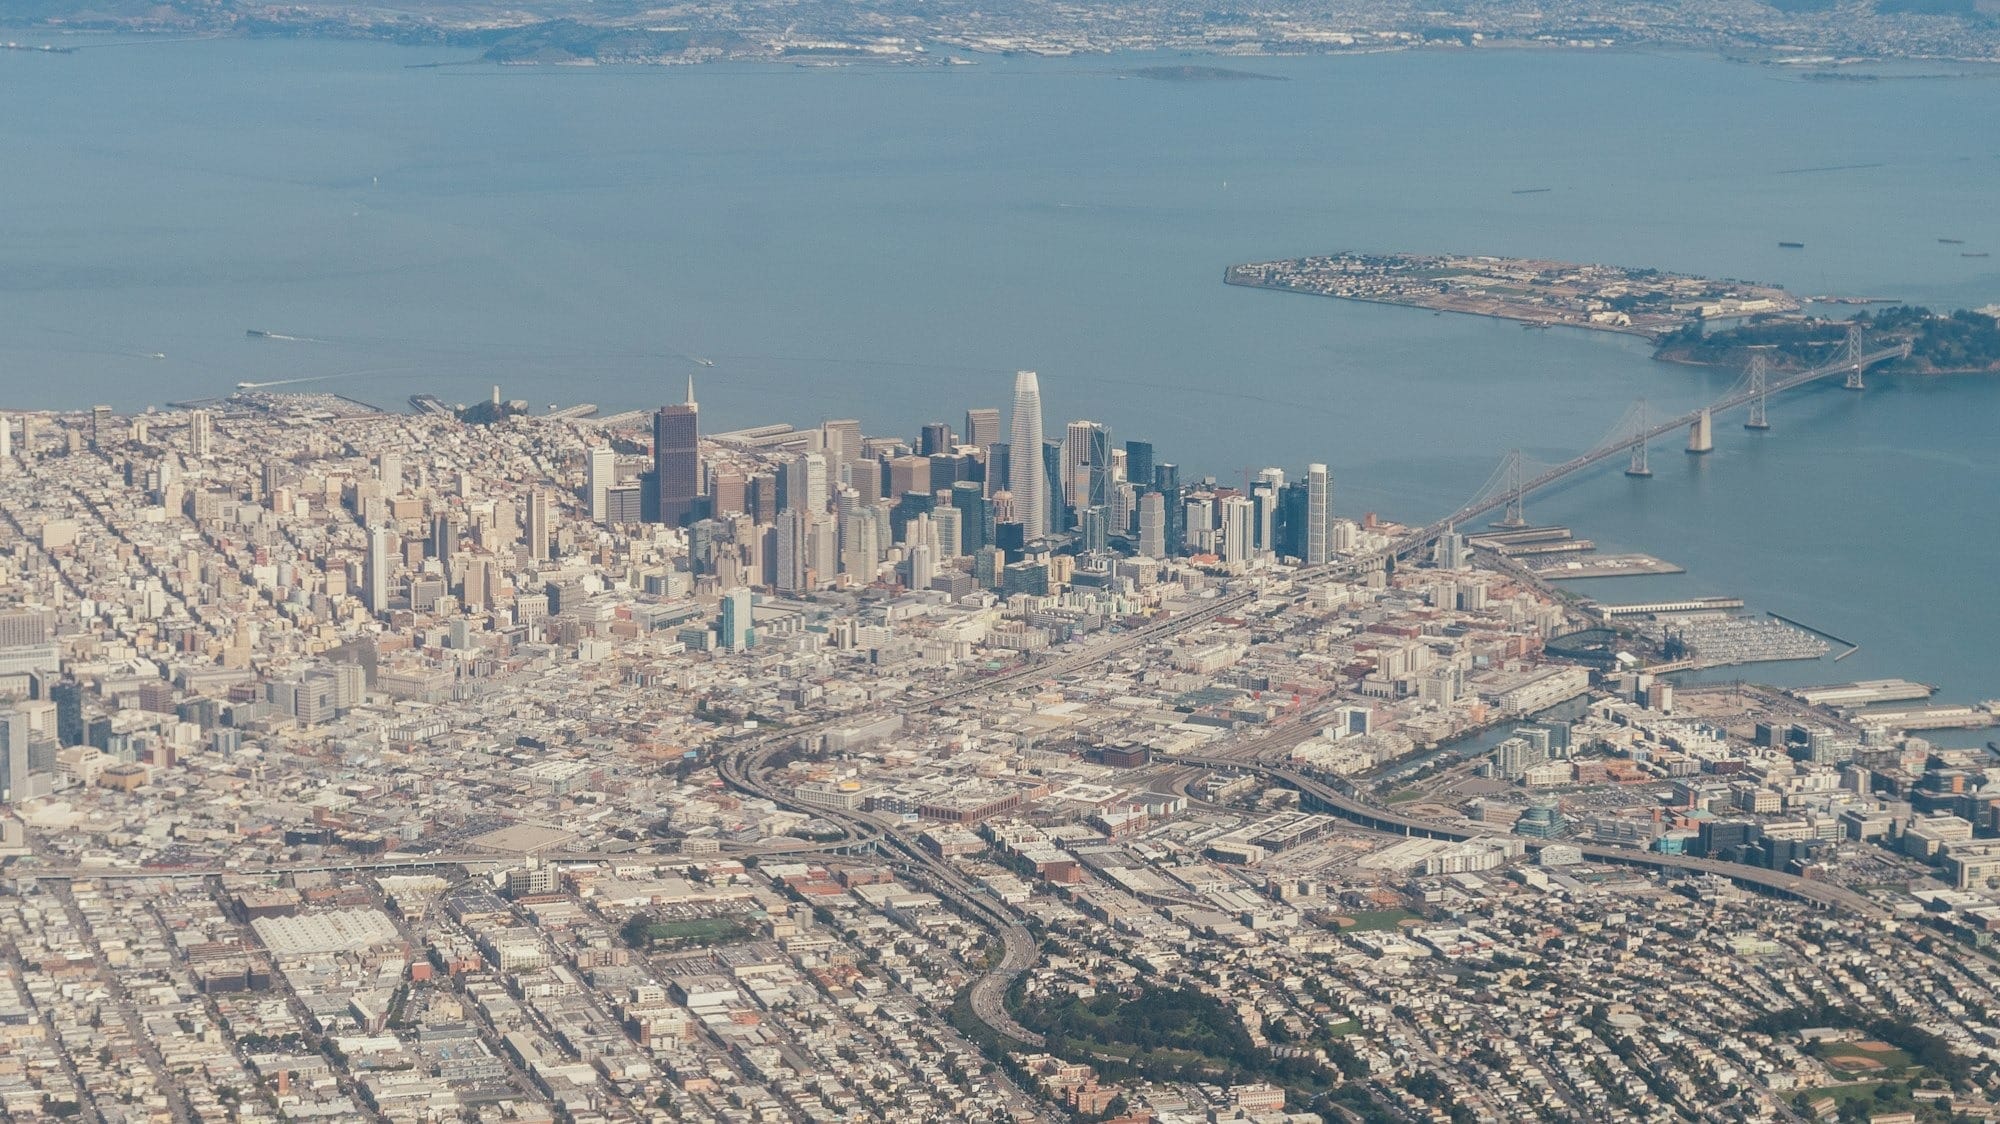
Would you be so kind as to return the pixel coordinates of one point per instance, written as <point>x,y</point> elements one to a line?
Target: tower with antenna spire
<point>677,459</point>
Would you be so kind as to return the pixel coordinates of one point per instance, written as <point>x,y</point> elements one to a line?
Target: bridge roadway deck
<point>1598,455</point>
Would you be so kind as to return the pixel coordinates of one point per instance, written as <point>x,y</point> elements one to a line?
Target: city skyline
<point>1052,674</point>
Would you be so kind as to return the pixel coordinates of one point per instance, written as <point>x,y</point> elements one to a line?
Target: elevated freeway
<point>1333,799</point>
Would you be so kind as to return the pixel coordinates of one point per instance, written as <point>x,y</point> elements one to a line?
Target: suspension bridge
<point>1516,478</point>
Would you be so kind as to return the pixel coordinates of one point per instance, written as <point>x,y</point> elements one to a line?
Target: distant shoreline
<point>486,46</point>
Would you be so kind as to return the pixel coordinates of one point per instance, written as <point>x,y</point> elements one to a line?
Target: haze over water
<point>891,245</point>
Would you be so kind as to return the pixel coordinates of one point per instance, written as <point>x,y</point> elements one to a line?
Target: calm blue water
<point>891,244</point>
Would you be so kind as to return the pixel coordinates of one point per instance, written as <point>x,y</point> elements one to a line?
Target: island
<point>1957,343</point>
<point>1539,293</point>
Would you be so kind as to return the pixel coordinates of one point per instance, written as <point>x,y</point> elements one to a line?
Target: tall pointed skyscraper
<point>677,459</point>
<point>1025,475</point>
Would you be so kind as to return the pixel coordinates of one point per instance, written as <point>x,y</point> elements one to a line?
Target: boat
<point>1530,190</point>
<point>1952,241</point>
<point>1791,245</point>
<point>257,334</point>
<point>1976,254</point>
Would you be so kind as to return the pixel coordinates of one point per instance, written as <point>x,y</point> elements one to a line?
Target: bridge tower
<point>1701,435</point>
<point>1639,467</point>
<point>1760,385</point>
<point>1850,356</point>
<point>1516,513</point>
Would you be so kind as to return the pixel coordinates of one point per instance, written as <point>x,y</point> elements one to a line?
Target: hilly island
<point>1676,311</point>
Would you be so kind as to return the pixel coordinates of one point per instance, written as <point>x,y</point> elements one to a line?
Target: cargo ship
<point>1791,245</point>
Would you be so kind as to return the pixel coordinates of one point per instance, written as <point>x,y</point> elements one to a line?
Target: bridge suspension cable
<point>1515,478</point>
<point>1759,378</point>
<point>1637,414</point>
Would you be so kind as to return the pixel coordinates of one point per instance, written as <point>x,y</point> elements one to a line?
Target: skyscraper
<point>13,756</point>
<point>1153,525</point>
<point>677,458</point>
<point>806,487</point>
<point>949,523</point>
<point>1167,478</point>
<point>1025,479</point>
<point>1319,513</point>
<point>842,440</point>
<point>538,524</point>
<point>999,467</point>
<point>1139,464</point>
<point>1087,464</point>
<point>68,697</point>
<point>375,576</point>
<point>975,516</point>
<point>200,434</point>
<point>389,470</point>
<point>1239,521</point>
<point>736,633</point>
<point>936,439</point>
<point>792,551</point>
<point>1056,502</point>
<point>602,473</point>
<point>982,427</point>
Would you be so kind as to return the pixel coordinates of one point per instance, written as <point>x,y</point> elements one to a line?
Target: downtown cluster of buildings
<point>797,511</point>
<point>368,766</point>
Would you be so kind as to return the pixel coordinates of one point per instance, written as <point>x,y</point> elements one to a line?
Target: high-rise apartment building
<point>1319,514</point>
<point>1239,523</point>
